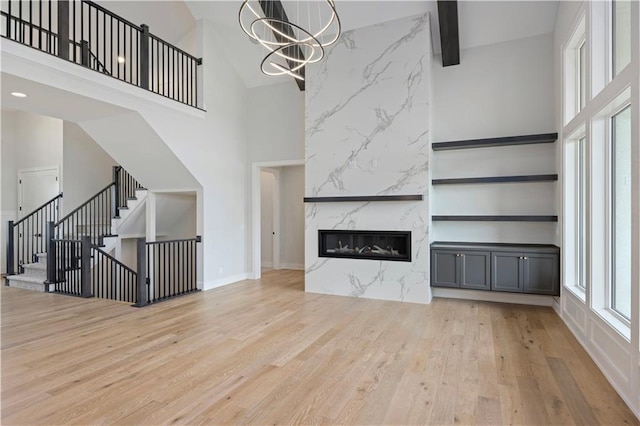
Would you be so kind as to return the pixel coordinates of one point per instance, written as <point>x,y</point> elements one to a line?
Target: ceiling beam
<point>275,9</point>
<point>449,37</point>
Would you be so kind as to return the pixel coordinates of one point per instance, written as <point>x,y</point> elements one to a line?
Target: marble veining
<point>367,132</point>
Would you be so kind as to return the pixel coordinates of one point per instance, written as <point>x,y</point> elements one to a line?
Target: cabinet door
<point>475,270</point>
<point>541,274</point>
<point>506,271</point>
<point>444,269</point>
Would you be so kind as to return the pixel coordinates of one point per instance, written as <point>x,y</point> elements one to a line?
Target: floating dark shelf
<point>470,218</point>
<point>503,141</point>
<point>496,179</point>
<point>417,197</point>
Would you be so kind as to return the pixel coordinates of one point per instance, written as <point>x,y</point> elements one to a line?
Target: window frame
<point>611,200</point>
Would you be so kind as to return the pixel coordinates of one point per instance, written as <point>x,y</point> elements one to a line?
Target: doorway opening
<point>277,216</point>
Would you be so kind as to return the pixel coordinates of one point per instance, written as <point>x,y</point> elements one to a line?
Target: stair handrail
<point>25,247</point>
<point>111,14</point>
<point>38,209</point>
<point>100,206</point>
<point>68,215</point>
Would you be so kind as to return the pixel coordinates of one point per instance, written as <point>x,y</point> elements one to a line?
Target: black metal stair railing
<point>88,34</point>
<point>93,218</point>
<point>85,270</point>
<point>171,267</point>
<point>164,270</point>
<point>26,238</point>
<point>125,188</point>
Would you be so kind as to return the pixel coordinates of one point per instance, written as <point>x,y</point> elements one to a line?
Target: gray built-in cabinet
<point>515,268</point>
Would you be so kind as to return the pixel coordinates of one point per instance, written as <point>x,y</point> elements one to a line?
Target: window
<point>575,72</point>
<point>581,76</point>
<point>620,296</point>
<point>581,213</point>
<point>620,34</point>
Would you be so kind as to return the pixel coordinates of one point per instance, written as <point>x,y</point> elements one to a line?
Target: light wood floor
<point>264,352</point>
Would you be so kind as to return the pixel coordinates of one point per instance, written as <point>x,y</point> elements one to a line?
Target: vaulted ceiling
<point>480,22</point>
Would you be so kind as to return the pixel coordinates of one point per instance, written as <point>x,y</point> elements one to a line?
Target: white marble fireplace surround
<point>367,133</point>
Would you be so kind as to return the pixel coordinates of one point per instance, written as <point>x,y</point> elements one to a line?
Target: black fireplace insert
<point>373,245</point>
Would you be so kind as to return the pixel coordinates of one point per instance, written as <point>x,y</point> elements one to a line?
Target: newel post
<point>51,254</point>
<point>144,56</point>
<point>115,196</point>
<point>141,289</point>
<point>63,29</point>
<point>85,266</point>
<point>10,252</point>
<point>84,53</point>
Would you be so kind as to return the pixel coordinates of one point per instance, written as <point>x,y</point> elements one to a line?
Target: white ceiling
<point>481,23</point>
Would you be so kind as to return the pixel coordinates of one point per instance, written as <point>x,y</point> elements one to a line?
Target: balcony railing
<point>87,34</point>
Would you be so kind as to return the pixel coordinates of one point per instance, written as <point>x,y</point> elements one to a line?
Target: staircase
<point>102,227</point>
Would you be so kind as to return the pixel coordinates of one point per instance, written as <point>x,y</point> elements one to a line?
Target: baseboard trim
<point>210,285</point>
<point>296,266</point>
<point>493,296</point>
<point>266,264</point>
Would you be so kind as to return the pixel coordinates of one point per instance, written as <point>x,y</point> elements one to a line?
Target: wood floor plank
<point>265,352</point>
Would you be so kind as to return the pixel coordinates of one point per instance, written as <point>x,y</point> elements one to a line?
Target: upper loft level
<point>85,33</point>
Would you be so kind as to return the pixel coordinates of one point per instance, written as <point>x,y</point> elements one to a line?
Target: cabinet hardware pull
<point>525,258</point>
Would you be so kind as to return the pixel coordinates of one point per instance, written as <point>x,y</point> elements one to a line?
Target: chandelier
<point>291,40</point>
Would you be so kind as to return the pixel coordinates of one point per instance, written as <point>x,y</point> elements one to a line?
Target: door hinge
<point>20,181</point>
<point>148,280</point>
<point>20,208</point>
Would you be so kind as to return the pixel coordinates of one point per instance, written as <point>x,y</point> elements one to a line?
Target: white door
<point>36,187</point>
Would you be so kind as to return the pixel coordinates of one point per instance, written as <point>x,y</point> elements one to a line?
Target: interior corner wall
<point>87,167</point>
<point>292,217</point>
<point>503,89</point>
<point>267,195</point>
<point>276,122</point>
<point>214,150</point>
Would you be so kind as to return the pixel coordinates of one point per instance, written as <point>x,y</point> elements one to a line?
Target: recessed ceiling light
<point>120,59</point>
<point>19,94</point>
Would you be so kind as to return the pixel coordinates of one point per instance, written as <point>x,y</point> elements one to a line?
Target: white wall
<point>28,141</point>
<point>276,131</point>
<point>87,167</point>
<point>276,118</point>
<point>292,217</point>
<point>503,89</point>
<point>176,215</point>
<point>267,200</point>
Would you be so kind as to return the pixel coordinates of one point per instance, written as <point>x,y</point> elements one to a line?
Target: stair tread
<point>26,278</point>
<point>35,265</point>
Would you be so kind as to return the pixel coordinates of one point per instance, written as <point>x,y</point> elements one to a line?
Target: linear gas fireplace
<point>374,245</point>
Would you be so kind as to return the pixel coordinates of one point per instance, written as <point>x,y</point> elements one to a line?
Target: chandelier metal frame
<point>284,42</point>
